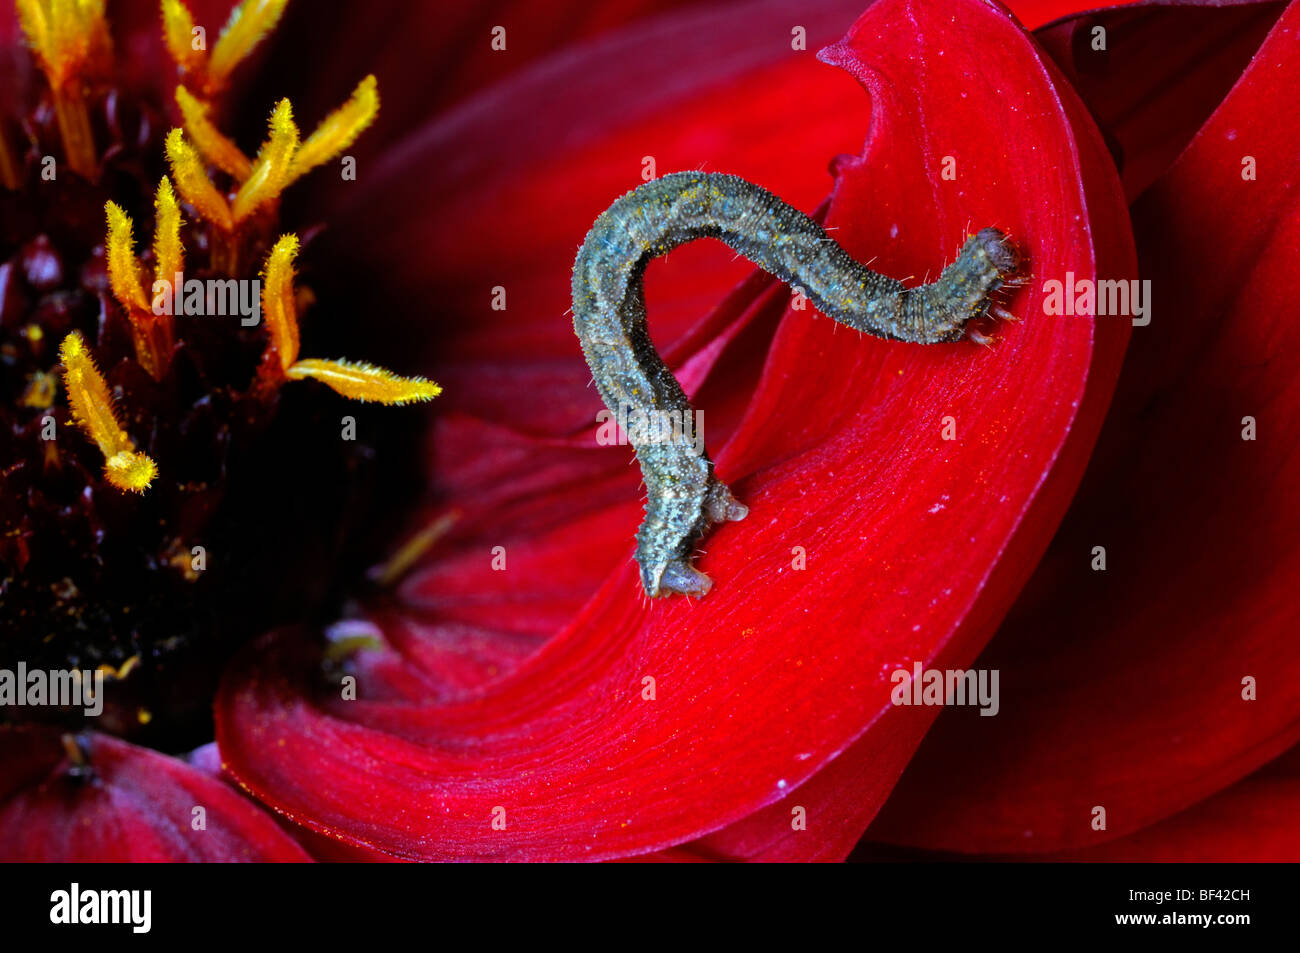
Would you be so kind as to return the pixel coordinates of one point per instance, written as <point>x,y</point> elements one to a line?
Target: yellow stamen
<point>365,382</point>
<point>270,172</point>
<point>248,23</point>
<point>410,551</point>
<point>72,748</point>
<point>340,650</point>
<point>214,146</point>
<point>339,129</point>
<point>155,333</point>
<point>168,252</point>
<point>123,269</point>
<point>11,169</point>
<point>129,470</point>
<point>34,19</point>
<point>178,33</point>
<point>129,666</point>
<point>193,183</point>
<point>151,334</point>
<point>68,37</point>
<point>40,390</point>
<point>92,408</point>
<point>278,306</point>
<point>74,130</point>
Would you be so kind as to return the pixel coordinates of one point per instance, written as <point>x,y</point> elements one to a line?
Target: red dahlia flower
<point>499,687</point>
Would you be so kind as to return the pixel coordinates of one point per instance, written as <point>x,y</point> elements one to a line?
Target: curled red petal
<point>1132,692</point>
<point>1156,72</point>
<point>915,544</point>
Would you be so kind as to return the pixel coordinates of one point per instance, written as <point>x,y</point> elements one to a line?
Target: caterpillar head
<point>997,250</point>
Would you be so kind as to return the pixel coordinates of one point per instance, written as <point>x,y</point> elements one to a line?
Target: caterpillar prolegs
<point>685,498</point>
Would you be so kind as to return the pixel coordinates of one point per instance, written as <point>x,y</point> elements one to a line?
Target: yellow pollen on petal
<point>365,382</point>
<point>193,183</point>
<point>248,23</point>
<point>339,129</point>
<point>178,33</point>
<point>123,269</point>
<point>278,306</point>
<point>214,146</point>
<point>168,252</point>
<point>270,172</point>
<point>92,408</point>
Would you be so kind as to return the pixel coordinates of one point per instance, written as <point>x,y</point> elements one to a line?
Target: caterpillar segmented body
<point>685,498</point>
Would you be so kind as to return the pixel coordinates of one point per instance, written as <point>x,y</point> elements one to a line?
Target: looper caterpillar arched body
<point>685,498</point>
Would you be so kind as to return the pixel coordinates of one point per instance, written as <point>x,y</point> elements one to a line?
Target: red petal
<point>915,544</point>
<point>500,192</point>
<point>1128,683</point>
<point>1256,820</point>
<point>138,807</point>
<point>1165,69</point>
<point>428,56</point>
<point>1252,821</point>
<point>1034,13</point>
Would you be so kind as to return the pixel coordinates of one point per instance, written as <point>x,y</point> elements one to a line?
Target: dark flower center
<point>262,504</point>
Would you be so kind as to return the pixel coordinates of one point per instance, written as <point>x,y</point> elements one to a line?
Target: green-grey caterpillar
<point>685,499</point>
